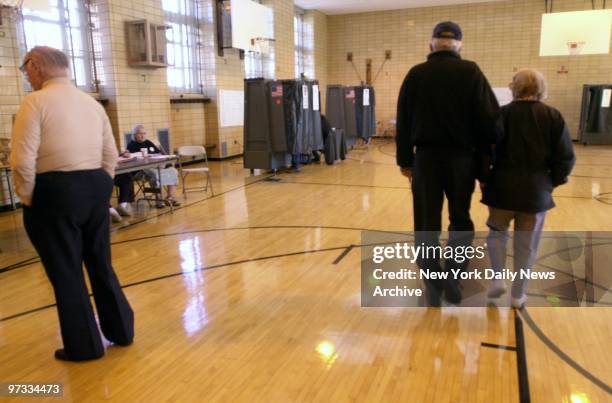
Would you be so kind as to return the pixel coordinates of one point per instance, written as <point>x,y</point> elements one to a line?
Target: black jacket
<point>534,154</point>
<point>446,103</point>
<point>135,147</point>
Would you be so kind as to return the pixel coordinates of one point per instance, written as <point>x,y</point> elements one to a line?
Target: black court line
<point>521,360</point>
<point>588,300</point>
<point>131,224</point>
<point>592,165</point>
<point>372,162</point>
<point>568,360</point>
<point>201,269</point>
<point>380,149</point>
<point>569,197</point>
<point>34,260</point>
<point>402,187</point>
<point>183,273</point>
<point>344,185</point>
<point>343,254</point>
<point>498,346</point>
<point>148,218</point>
<point>17,315</point>
<point>590,177</point>
<point>20,264</point>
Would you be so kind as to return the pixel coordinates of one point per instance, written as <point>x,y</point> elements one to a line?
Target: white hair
<point>529,83</point>
<point>137,128</point>
<point>445,44</point>
<point>52,62</point>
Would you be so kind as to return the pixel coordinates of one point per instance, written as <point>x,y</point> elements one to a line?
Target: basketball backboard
<point>250,20</point>
<point>576,33</point>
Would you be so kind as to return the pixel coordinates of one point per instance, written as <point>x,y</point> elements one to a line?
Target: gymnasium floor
<point>250,296</point>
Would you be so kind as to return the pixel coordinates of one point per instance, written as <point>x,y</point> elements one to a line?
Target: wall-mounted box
<point>146,43</point>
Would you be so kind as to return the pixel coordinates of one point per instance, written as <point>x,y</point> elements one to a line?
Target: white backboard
<point>249,20</point>
<point>576,32</point>
<point>37,5</point>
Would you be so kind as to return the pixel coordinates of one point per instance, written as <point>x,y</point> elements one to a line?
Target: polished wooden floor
<point>237,298</point>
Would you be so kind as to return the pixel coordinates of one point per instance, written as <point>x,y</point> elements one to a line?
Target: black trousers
<point>438,173</point>
<point>68,224</point>
<point>125,183</point>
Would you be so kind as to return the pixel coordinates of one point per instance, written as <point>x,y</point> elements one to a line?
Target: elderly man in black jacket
<point>534,155</point>
<point>446,115</point>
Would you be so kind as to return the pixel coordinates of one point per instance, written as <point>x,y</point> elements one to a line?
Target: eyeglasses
<point>23,66</point>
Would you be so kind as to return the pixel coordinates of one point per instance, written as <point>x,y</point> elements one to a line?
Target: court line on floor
<point>546,296</point>
<point>395,165</point>
<point>185,273</point>
<point>131,224</point>
<point>522,369</point>
<point>498,346</point>
<point>344,184</point>
<point>399,187</point>
<point>566,358</point>
<point>343,254</point>
<point>521,360</point>
<point>379,148</point>
<point>27,262</point>
<point>24,263</point>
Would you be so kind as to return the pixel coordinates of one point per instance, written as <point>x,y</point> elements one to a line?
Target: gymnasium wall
<point>500,36</point>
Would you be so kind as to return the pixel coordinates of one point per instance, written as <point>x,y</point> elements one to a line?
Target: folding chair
<point>149,193</point>
<point>194,152</point>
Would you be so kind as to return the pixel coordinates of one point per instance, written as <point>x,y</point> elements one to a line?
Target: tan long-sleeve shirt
<point>59,128</point>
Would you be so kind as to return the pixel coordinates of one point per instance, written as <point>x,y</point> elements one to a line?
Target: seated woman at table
<point>169,175</point>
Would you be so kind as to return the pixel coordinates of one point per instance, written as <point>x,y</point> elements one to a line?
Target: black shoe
<point>123,344</point>
<point>452,291</point>
<point>60,354</point>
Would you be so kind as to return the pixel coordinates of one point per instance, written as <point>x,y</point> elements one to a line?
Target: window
<point>304,45</point>
<point>64,26</point>
<point>183,45</point>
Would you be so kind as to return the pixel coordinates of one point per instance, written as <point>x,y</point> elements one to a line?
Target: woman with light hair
<point>533,155</point>
<point>169,176</point>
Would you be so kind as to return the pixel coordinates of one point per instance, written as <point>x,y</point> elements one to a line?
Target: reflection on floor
<point>237,296</point>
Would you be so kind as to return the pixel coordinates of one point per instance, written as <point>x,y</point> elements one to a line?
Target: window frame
<point>189,25</point>
<point>303,45</point>
<point>67,38</point>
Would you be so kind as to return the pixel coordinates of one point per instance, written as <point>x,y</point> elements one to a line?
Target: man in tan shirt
<point>63,158</point>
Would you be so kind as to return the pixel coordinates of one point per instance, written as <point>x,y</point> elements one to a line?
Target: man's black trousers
<point>438,173</point>
<point>68,224</point>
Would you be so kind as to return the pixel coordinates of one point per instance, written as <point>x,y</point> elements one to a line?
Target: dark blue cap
<point>447,29</point>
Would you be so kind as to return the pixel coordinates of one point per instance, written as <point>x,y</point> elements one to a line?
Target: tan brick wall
<point>187,120</point>
<point>11,90</point>
<point>501,37</point>
<point>137,95</point>
<point>284,47</point>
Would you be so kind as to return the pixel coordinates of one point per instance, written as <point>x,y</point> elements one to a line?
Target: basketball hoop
<point>574,48</point>
<point>10,9</point>
<point>261,45</point>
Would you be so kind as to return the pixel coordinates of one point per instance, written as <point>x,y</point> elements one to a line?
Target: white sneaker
<point>115,217</point>
<point>497,288</point>
<point>519,302</point>
<point>124,210</point>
